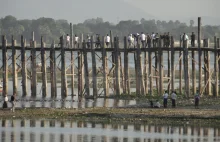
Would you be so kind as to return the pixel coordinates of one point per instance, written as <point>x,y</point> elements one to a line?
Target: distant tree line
<point>52,29</point>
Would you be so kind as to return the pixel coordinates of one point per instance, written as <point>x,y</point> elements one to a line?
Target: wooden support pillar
<point>200,55</point>
<point>14,67</point>
<point>186,69</point>
<point>156,70</point>
<point>140,71</point>
<point>205,67</point>
<point>111,39</point>
<point>43,69</point>
<point>169,69</point>
<point>24,69</point>
<point>72,61</point>
<point>94,76</point>
<point>113,72</point>
<point>5,66</point>
<point>105,68</point>
<point>172,65</point>
<point>180,69</point>
<point>34,70</point>
<point>80,87</point>
<point>53,71</point>
<point>80,71</point>
<point>86,70</point>
<point>193,73</point>
<point>216,69</point>
<point>122,73</point>
<point>208,74</point>
<point>126,68</point>
<point>117,66</point>
<point>63,70</point>
<point>160,68</point>
<point>150,73</point>
<point>146,72</point>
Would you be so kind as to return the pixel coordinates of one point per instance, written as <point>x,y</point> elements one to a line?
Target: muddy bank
<point>138,115</point>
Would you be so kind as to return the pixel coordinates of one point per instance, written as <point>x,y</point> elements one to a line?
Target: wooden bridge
<point>115,78</point>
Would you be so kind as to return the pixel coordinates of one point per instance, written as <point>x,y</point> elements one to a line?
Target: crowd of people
<point>173,98</point>
<point>146,40</point>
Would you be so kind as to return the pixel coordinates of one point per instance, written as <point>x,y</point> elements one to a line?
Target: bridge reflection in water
<point>79,131</point>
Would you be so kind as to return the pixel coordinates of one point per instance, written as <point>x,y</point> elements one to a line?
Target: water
<point>78,131</point>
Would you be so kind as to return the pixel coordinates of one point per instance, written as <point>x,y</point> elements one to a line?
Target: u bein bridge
<point>115,78</point>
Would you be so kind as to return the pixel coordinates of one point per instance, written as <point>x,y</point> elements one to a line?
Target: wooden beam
<point>43,69</point>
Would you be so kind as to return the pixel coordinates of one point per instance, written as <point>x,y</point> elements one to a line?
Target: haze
<point>76,11</point>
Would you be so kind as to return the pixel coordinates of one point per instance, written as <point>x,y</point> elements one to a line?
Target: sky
<point>76,11</point>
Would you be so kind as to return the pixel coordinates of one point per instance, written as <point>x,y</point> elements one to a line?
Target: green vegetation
<point>52,29</point>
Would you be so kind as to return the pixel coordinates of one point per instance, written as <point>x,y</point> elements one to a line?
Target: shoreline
<point>132,115</point>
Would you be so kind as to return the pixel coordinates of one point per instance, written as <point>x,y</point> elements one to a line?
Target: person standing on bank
<point>5,104</point>
<point>197,97</point>
<point>193,37</point>
<point>165,97</point>
<point>173,97</point>
<point>13,102</point>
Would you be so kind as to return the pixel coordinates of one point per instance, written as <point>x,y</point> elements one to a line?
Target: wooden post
<point>14,67</point>
<point>94,79</point>
<point>126,68</point>
<point>72,60</point>
<point>150,72</point>
<point>216,69</point>
<point>53,71</point>
<point>146,72</point>
<point>160,68</point>
<point>5,66</point>
<point>24,69</point>
<point>168,75</point>
<point>80,87</point>
<point>208,70</point>
<point>117,66</point>
<point>111,39</point>
<point>122,73</point>
<point>186,68</point>
<point>139,70</point>
<point>34,71</point>
<point>43,69</point>
<point>172,65</point>
<point>200,54</point>
<point>156,70</point>
<point>193,73</point>
<point>105,68</point>
<point>180,70</point>
<point>86,69</point>
<point>205,66</point>
<point>63,70</point>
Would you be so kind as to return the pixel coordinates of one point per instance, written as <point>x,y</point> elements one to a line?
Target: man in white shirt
<point>76,41</point>
<point>173,97</point>
<point>153,38</point>
<point>165,98</point>
<point>67,40</point>
<point>107,40</point>
<point>130,40</point>
<point>184,38</point>
<point>143,40</point>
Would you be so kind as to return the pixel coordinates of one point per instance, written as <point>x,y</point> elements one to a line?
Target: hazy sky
<point>112,10</point>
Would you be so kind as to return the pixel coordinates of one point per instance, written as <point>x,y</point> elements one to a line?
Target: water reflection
<point>79,131</point>
<point>84,103</point>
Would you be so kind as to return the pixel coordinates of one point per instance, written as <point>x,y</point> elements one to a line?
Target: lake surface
<point>78,131</point>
